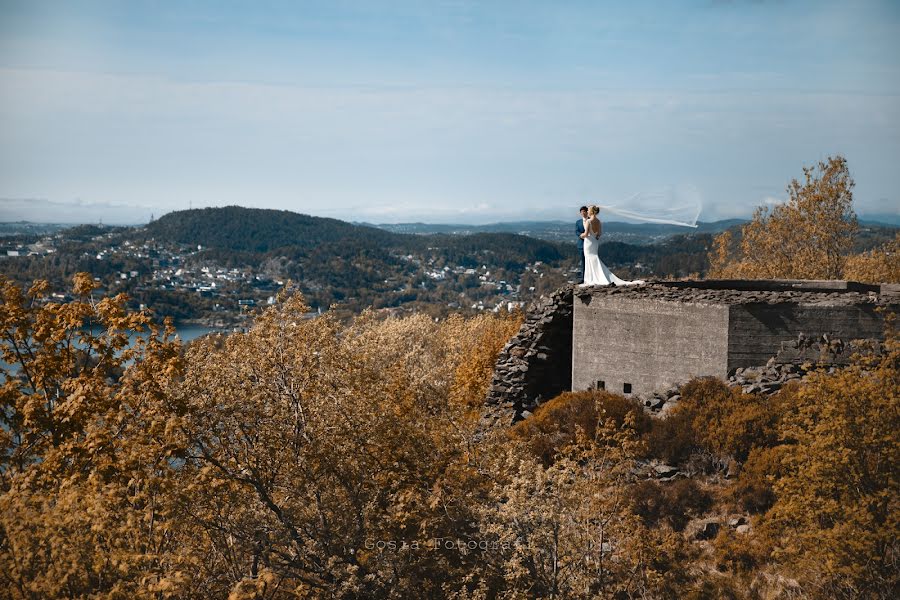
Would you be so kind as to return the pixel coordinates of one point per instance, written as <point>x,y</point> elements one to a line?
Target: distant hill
<point>256,229</point>
<point>38,210</point>
<point>885,220</point>
<point>357,265</point>
<point>265,231</point>
<point>512,226</point>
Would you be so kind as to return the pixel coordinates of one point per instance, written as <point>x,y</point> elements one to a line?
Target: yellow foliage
<point>84,498</point>
<point>725,420</point>
<point>836,518</point>
<point>315,458</point>
<point>720,259</point>
<point>475,345</point>
<point>808,237</point>
<point>881,265</point>
<point>558,422</point>
<point>566,529</point>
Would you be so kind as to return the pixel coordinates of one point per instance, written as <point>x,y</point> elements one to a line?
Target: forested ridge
<point>258,230</point>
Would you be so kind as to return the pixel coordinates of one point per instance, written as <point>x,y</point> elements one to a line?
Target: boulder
<point>704,529</point>
<point>735,521</point>
<point>654,403</point>
<point>665,471</point>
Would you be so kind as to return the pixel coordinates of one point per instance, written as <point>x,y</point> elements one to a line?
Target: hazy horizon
<point>102,213</point>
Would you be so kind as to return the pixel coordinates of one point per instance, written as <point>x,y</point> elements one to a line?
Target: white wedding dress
<point>595,272</point>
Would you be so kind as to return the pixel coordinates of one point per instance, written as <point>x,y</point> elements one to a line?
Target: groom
<point>579,229</point>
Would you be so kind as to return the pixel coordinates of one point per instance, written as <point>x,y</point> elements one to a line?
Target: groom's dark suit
<point>579,229</point>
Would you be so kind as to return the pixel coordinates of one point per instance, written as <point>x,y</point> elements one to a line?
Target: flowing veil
<point>669,206</point>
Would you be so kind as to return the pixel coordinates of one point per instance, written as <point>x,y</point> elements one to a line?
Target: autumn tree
<point>807,237</point>
<point>85,492</point>
<point>295,460</point>
<point>324,459</point>
<point>836,519</point>
<point>473,347</point>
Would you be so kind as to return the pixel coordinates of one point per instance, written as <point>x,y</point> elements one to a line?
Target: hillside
<point>201,264</point>
<point>263,231</point>
<point>172,263</point>
<point>255,229</point>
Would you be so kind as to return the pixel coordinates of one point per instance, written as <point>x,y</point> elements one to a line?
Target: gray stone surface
<point>648,343</point>
<point>756,332</point>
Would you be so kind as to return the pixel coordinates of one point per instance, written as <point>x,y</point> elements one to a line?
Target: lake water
<point>192,332</point>
<point>185,334</point>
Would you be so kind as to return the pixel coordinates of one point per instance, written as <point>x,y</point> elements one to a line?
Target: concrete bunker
<point>644,339</point>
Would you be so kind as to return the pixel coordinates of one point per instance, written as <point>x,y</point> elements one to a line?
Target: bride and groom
<point>589,230</point>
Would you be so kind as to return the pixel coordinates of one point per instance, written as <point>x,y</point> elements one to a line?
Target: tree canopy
<point>807,237</point>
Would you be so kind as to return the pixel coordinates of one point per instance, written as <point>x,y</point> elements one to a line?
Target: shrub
<point>474,345</point>
<point>556,423</point>
<point>753,489</point>
<point>837,503</point>
<point>879,265</point>
<point>672,440</point>
<point>675,503</point>
<point>726,421</point>
<point>734,553</point>
<point>716,587</point>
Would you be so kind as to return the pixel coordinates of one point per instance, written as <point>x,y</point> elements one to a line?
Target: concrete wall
<point>649,343</point>
<point>756,331</point>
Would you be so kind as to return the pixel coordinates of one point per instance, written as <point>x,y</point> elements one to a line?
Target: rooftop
<point>745,291</point>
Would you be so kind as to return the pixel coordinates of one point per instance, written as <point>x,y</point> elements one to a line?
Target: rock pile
<point>536,364</point>
<point>766,379</point>
<point>661,403</point>
<point>772,377</point>
<point>707,528</point>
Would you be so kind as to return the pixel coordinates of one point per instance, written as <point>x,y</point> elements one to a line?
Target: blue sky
<point>445,111</point>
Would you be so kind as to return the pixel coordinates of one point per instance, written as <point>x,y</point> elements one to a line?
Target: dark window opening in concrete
<point>626,388</point>
<point>601,385</point>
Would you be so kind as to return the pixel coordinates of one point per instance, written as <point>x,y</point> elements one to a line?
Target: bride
<point>595,272</point>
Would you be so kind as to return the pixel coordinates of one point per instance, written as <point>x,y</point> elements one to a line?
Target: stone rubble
<point>766,380</point>
<point>531,367</point>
